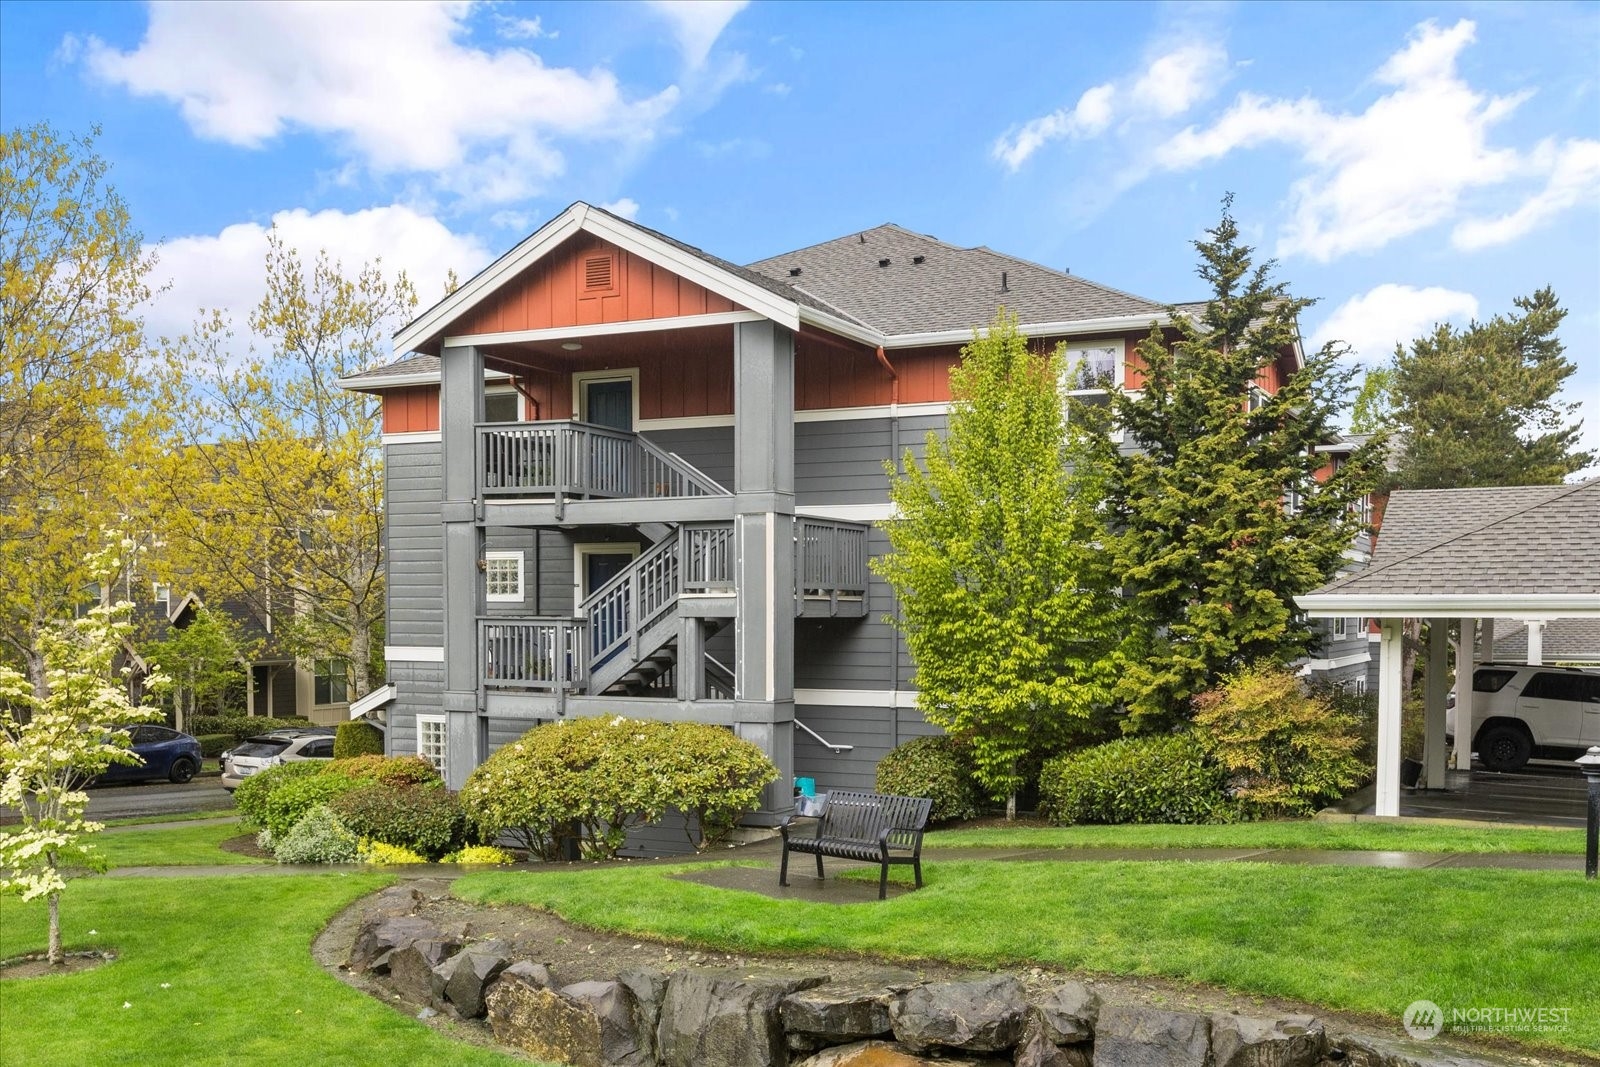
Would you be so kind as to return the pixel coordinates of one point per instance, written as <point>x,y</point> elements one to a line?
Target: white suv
<point>268,750</point>
<point>1521,711</point>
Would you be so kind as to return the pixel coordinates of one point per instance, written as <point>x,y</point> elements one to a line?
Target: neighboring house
<point>1344,655</point>
<point>625,476</point>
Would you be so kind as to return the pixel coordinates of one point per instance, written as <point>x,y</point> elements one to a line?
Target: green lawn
<point>1359,837</point>
<point>179,846</point>
<point>1360,939</point>
<point>212,971</point>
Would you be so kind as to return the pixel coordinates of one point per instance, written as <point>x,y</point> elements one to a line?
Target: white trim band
<point>602,329</point>
<point>413,653</point>
<point>856,698</point>
<point>420,437</point>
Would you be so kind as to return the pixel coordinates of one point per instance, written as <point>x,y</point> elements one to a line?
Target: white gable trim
<point>1080,328</point>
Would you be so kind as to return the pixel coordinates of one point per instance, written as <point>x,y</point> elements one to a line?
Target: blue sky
<point>1406,163</point>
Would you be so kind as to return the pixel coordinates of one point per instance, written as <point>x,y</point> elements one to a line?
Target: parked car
<point>289,745</point>
<point>1520,712</point>
<point>165,753</point>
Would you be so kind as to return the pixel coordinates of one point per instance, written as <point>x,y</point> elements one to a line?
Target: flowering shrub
<point>597,778</point>
<point>318,837</point>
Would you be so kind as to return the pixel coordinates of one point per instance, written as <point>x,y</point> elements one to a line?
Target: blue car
<point>167,754</point>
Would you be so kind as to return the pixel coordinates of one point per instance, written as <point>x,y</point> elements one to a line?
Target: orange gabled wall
<point>413,409</point>
<point>554,292</point>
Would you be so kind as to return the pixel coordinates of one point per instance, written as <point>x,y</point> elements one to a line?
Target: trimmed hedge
<point>597,778</point>
<point>422,818</point>
<point>241,726</point>
<point>1160,779</point>
<point>213,745</point>
<point>357,739</point>
<point>933,767</point>
<point>287,804</point>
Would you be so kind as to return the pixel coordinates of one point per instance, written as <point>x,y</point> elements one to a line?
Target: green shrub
<point>481,854</point>
<point>1165,778</point>
<point>1285,751</point>
<point>376,852</point>
<point>423,818</point>
<point>933,767</point>
<point>241,726</point>
<point>597,778</point>
<point>213,745</point>
<point>253,793</point>
<point>319,837</point>
<point>391,770</point>
<point>289,802</point>
<point>357,739</point>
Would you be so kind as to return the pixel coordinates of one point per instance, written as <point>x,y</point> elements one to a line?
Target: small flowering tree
<point>50,745</point>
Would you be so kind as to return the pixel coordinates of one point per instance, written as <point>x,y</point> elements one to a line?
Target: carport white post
<point>1389,706</point>
<point>1466,654</point>
<point>1433,747</point>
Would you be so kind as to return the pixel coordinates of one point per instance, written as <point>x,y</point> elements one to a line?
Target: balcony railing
<point>540,654</point>
<point>577,459</point>
<point>830,559</point>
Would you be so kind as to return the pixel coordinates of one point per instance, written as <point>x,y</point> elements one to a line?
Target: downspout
<point>533,401</point>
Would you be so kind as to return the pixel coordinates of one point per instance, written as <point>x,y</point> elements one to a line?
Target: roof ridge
<point>1487,525</point>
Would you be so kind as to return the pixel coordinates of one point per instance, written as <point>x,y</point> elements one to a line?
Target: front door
<point>609,403</point>
<point>608,622</point>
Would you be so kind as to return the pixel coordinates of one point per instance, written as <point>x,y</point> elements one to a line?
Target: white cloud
<point>1172,83</point>
<point>1377,320</point>
<point>697,24</point>
<point>225,270</point>
<point>627,207</point>
<point>513,28</point>
<point>1574,170</point>
<point>1402,165</point>
<point>396,84</point>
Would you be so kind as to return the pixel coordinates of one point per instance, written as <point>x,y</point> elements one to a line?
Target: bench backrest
<point>862,816</point>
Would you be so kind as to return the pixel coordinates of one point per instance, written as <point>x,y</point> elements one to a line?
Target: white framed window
<point>502,404</point>
<point>502,577</point>
<point>161,593</point>
<point>1093,370</point>
<point>1339,627</point>
<point>1257,399</point>
<point>433,742</point>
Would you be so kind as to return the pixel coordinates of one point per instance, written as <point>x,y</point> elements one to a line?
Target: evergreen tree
<point>1218,519</point>
<point>1005,603</point>
<point>1478,406</point>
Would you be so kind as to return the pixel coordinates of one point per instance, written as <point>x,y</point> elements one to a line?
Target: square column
<point>1434,755</point>
<point>1536,642</point>
<point>1464,712</point>
<point>763,532</point>
<point>461,409</point>
<point>1389,704</point>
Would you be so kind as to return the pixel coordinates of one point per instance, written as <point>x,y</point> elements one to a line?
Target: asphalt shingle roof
<point>952,288</point>
<point>1565,640</point>
<point>1525,539</point>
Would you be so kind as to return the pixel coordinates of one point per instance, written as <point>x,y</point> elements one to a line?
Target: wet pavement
<point>1541,794</point>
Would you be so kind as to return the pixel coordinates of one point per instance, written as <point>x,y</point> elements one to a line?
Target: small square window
<point>332,682</point>
<point>502,407</point>
<point>503,577</point>
<point>1340,627</point>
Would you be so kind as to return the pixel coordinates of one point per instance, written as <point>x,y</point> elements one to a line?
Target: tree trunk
<point>35,668</point>
<point>360,660</point>
<point>1410,642</point>
<point>1011,806</point>
<point>57,956</point>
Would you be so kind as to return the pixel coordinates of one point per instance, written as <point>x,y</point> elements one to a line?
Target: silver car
<point>258,753</point>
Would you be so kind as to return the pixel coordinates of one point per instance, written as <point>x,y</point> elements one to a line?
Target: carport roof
<point>1478,552</point>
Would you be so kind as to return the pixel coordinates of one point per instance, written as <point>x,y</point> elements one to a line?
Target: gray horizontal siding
<point>710,449</point>
<point>841,462</point>
<point>414,537</point>
<point>873,732</point>
<point>418,691</point>
<point>862,653</point>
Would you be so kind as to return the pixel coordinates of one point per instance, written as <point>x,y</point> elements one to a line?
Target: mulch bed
<point>37,965</point>
<point>245,845</point>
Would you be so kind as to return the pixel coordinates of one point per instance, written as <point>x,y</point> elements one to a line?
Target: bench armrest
<point>883,836</point>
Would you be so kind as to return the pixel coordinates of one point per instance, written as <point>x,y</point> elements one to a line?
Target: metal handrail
<point>823,741</point>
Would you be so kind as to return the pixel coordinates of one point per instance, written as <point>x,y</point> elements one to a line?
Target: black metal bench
<point>863,826</point>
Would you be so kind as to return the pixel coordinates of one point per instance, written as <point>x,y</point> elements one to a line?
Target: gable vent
<point>597,273</point>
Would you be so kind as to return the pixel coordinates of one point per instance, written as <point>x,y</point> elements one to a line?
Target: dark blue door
<point>609,404</point>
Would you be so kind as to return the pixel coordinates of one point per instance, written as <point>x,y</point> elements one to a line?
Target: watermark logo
<point>1423,1019</point>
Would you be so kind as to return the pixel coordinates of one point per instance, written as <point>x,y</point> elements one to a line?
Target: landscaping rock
<point>985,1015</point>
<point>1370,1051</point>
<point>380,936</point>
<point>884,1054</point>
<point>834,1014</point>
<point>1069,1012</point>
<point>1129,1035</point>
<point>1037,1050</point>
<point>649,989</point>
<point>465,975</point>
<point>411,970</point>
<point>1243,1041</point>
<point>532,973</point>
<point>725,1019</point>
<point>396,900</point>
<point>613,1004</point>
<point>542,1022</point>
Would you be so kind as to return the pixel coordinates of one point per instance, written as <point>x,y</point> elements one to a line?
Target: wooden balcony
<point>578,460</point>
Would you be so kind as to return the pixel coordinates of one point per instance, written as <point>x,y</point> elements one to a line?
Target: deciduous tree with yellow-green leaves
<point>1006,604</point>
<point>270,484</point>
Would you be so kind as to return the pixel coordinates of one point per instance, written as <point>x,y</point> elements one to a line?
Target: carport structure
<point>1458,559</point>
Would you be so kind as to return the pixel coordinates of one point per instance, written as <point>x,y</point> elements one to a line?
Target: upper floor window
<point>161,593</point>
<point>332,682</point>
<point>502,577</point>
<point>502,405</point>
<point>1093,370</point>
